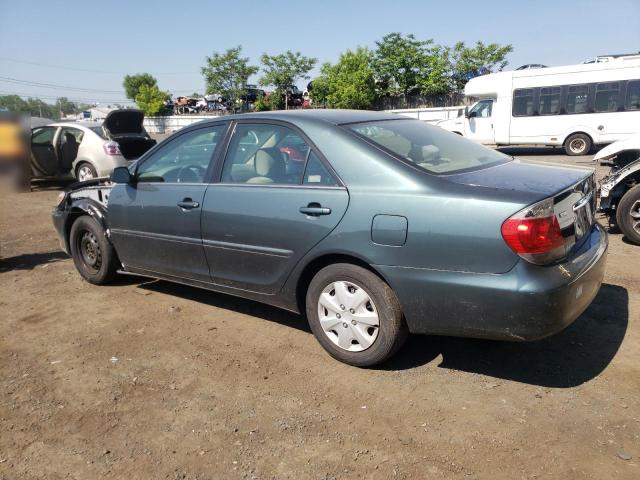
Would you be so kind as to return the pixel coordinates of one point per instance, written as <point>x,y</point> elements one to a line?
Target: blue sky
<point>100,41</point>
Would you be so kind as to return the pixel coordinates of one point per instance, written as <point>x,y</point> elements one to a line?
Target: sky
<point>84,48</point>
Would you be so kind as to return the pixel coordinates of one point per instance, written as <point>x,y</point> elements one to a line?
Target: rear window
<point>99,131</point>
<point>430,148</point>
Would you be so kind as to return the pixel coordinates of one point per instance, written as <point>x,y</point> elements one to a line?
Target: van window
<point>523,102</point>
<point>577,99</point>
<point>607,97</point>
<point>633,95</point>
<point>549,103</point>
<point>482,109</point>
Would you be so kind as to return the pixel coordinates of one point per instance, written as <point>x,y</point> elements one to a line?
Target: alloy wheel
<point>348,316</point>
<point>634,211</point>
<point>85,173</point>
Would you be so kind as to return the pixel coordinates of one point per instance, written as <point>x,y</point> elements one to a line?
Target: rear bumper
<point>527,303</point>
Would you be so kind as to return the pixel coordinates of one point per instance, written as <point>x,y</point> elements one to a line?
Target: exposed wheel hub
<point>90,250</point>
<point>348,316</point>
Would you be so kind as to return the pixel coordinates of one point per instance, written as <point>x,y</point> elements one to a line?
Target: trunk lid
<point>573,191</point>
<point>123,122</point>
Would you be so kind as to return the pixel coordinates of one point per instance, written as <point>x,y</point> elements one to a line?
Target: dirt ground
<point>145,379</point>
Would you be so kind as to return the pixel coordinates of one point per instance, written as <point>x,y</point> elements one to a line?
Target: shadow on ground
<point>570,358</point>
<point>29,261</point>
<point>542,151</point>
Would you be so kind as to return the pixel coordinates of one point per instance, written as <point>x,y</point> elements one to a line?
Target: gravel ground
<point>145,379</point>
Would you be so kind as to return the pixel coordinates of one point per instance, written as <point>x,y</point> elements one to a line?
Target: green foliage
<point>65,106</point>
<point>227,74</point>
<point>150,99</point>
<point>350,83</point>
<point>32,106</point>
<point>283,71</point>
<point>262,104</point>
<point>467,61</point>
<point>133,83</point>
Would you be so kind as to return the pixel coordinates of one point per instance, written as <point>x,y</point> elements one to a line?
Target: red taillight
<point>534,233</point>
<point>111,148</point>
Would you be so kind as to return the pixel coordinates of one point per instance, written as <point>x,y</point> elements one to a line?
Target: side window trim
<point>224,152</point>
<point>212,160</point>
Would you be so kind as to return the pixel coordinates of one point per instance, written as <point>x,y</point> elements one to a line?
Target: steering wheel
<point>191,174</point>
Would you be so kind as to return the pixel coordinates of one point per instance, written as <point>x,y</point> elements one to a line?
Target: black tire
<point>392,330</point>
<point>89,167</point>
<point>92,254</point>
<point>628,214</point>
<point>577,144</point>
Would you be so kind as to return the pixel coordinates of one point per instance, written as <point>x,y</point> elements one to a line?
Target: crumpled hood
<point>545,180</point>
<point>631,143</point>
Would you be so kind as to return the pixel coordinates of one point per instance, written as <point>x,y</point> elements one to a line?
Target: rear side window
<point>430,148</point>
<point>578,99</point>
<point>523,102</point>
<point>633,96</point>
<point>607,97</point>
<point>317,174</point>
<point>549,102</point>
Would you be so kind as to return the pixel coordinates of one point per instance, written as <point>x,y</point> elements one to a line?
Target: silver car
<point>86,150</point>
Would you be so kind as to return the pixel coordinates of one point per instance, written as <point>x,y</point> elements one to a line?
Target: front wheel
<point>92,254</point>
<point>628,215</point>
<point>355,315</point>
<point>577,144</point>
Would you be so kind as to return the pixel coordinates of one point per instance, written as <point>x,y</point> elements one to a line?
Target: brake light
<point>534,233</point>
<point>111,148</point>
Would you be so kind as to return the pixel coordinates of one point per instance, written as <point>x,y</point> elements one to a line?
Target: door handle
<point>315,210</point>
<point>188,204</point>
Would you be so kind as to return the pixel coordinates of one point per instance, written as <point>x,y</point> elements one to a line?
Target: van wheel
<point>85,171</point>
<point>577,144</point>
<point>628,215</point>
<point>355,315</point>
<point>92,254</point>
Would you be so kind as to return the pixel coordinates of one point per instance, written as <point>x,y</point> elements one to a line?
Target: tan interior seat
<point>270,166</point>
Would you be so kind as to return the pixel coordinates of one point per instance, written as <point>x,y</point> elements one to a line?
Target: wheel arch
<point>80,208</point>
<point>317,264</point>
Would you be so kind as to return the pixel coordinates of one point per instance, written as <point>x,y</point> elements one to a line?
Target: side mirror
<point>121,175</point>
<point>466,112</point>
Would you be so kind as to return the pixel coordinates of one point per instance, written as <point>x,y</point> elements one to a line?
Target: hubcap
<point>90,250</point>
<point>348,316</point>
<point>85,173</point>
<point>635,215</point>
<point>577,145</point>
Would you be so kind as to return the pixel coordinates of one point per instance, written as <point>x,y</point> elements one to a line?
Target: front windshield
<point>429,147</point>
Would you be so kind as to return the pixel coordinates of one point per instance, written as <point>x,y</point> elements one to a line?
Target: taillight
<point>534,233</point>
<point>111,148</point>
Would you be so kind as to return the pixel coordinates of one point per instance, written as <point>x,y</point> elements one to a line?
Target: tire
<point>628,215</point>
<point>93,255</point>
<point>354,339</point>
<point>577,144</point>
<point>85,171</point>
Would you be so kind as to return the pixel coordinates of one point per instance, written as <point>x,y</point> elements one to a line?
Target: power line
<point>18,81</point>
<point>75,69</point>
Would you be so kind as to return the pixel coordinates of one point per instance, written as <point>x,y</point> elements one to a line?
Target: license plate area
<point>583,214</point>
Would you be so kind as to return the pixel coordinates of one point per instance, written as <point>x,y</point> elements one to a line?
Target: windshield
<point>431,148</point>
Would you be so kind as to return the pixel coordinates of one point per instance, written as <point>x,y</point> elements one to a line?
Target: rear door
<point>43,151</point>
<point>269,209</point>
<point>155,222</point>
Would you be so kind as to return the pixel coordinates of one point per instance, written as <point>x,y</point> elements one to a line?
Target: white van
<point>575,106</point>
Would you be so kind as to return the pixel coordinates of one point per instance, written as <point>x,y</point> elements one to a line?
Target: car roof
<point>335,117</point>
<point>74,124</point>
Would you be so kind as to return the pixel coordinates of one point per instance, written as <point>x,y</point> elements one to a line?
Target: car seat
<point>68,152</point>
<point>270,166</point>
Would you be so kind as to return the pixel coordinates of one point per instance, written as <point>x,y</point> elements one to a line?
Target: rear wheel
<point>92,254</point>
<point>577,144</point>
<point>628,214</point>
<point>85,171</point>
<point>355,315</point>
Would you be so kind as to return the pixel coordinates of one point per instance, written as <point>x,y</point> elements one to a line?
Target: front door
<point>479,124</point>
<point>44,159</point>
<point>155,222</point>
<point>276,199</point>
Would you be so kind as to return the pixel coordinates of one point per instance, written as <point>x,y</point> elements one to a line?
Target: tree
<point>133,83</point>
<point>468,62</point>
<point>150,99</point>
<point>66,106</point>
<point>226,74</point>
<point>350,83</point>
<point>405,65</point>
<point>282,71</point>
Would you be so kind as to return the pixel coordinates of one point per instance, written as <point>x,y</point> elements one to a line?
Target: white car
<point>87,150</point>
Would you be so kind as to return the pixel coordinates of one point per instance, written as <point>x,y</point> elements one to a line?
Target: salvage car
<point>390,226</point>
<point>88,150</point>
<point>620,189</point>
